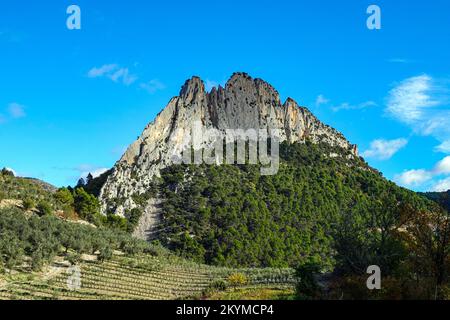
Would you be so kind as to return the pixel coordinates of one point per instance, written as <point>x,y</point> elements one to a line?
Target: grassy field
<point>143,278</point>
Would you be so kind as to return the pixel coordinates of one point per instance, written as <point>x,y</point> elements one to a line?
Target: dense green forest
<point>443,198</point>
<point>233,216</point>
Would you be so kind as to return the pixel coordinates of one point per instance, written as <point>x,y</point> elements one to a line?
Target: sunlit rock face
<point>244,103</point>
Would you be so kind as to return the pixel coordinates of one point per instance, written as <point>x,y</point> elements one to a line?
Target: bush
<point>64,197</point>
<point>237,279</point>
<point>307,286</point>
<point>86,205</point>
<point>216,286</point>
<point>106,253</point>
<point>28,204</point>
<point>219,285</point>
<point>73,257</point>
<point>44,208</point>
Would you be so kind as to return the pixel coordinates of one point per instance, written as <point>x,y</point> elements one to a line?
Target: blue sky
<point>72,100</point>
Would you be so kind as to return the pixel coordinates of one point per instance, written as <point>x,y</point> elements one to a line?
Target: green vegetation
<point>259,294</point>
<point>232,216</point>
<point>31,190</point>
<point>39,240</point>
<point>328,217</point>
<point>321,214</point>
<point>443,198</point>
<point>120,267</point>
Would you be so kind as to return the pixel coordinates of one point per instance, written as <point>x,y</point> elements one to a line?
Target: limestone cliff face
<point>244,103</point>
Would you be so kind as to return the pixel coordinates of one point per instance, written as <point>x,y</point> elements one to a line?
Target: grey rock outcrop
<point>245,103</point>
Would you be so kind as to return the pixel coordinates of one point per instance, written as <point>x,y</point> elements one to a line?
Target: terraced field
<point>141,278</point>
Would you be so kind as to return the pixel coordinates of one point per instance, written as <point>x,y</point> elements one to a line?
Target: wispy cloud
<point>384,149</point>
<point>444,147</point>
<point>399,60</point>
<point>113,72</point>
<point>321,100</point>
<point>421,103</point>
<point>408,101</point>
<point>101,71</point>
<point>442,185</point>
<point>123,75</point>
<point>348,106</point>
<point>153,86</point>
<point>13,111</point>
<point>16,110</point>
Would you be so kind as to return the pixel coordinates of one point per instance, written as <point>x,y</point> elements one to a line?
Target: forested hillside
<point>443,198</point>
<point>233,216</point>
<point>325,211</point>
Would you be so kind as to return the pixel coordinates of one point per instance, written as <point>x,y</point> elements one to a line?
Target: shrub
<point>106,253</point>
<point>307,286</point>
<point>74,257</point>
<point>237,279</point>
<point>86,205</point>
<point>219,285</point>
<point>64,197</point>
<point>44,208</point>
<point>28,204</point>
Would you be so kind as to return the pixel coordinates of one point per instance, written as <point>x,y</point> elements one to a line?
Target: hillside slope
<point>18,188</point>
<point>233,216</point>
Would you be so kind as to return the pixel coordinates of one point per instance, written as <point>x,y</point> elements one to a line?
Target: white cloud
<point>444,147</point>
<point>421,103</point>
<point>442,185</point>
<point>113,72</point>
<point>384,149</point>
<point>408,101</point>
<point>348,106</point>
<point>103,70</point>
<point>123,75</point>
<point>16,110</point>
<point>413,178</point>
<point>443,166</point>
<point>152,86</point>
<point>321,100</point>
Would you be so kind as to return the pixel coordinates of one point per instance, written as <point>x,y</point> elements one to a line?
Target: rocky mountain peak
<point>244,103</point>
<point>192,88</point>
